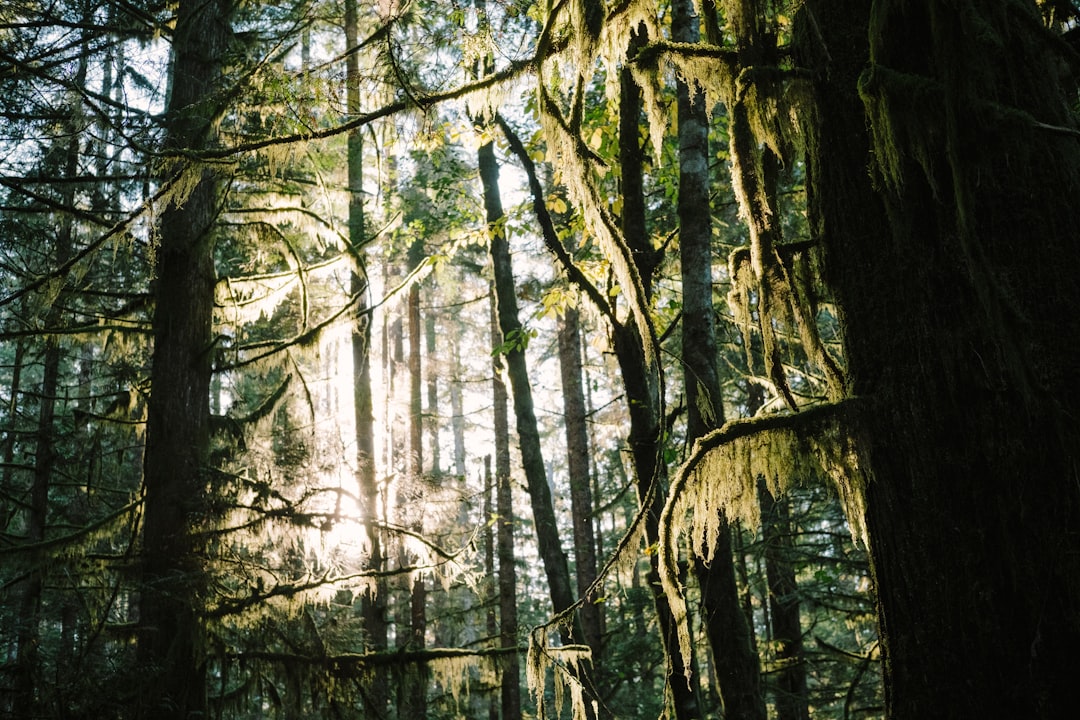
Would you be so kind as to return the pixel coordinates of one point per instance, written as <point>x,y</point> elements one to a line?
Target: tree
<point>730,639</point>
<point>373,603</point>
<point>958,336</point>
<point>177,433</point>
<point>510,688</point>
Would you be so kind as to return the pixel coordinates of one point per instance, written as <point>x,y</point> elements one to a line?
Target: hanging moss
<point>720,478</point>
<point>565,665</point>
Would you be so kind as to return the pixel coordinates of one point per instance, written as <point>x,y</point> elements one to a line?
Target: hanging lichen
<point>719,480</point>
<point>565,665</point>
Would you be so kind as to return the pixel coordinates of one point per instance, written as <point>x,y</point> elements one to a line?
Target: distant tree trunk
<point>10,431</point>
<point>491,584</point>
<point>177,429</point>
<point>457,407</point>
<point>432,414</point>
<point>29,589</point>
<point>577,454</point>
<point>956,285</point>
<point>790,684</point>
<point>504,534</point>
<point>373,604</point>
<point>416,679</point>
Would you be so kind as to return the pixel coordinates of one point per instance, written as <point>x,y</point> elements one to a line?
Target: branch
<point>547,226</point>
<point>349,663</point>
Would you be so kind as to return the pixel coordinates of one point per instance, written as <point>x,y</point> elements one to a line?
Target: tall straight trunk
<point>641,385</point>
<point>432,414</point>
<point>491,586</point>
<point>504,509</point>
<point>956,285</point>
<point>790,684</point>
<point>457,406</point>
<point>11,430</point>
<point>177,429</point>
<point>734,658</point>
<point>29,589</point>
<point>373,604</point>
<point>577,454</point>
<point>416,698</point>
<point>790,688</point>
<point>556,567</point>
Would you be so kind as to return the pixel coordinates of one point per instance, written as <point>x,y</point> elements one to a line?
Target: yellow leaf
<point>597,139</point>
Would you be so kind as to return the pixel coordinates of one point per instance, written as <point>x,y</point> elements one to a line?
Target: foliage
<point>285,535</point>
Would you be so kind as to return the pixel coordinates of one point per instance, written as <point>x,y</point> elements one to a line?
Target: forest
<point>571,359</point>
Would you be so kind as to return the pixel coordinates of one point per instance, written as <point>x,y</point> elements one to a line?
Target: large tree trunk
<point>642,386</point>
<point>177,431</point>
<point>956,282</point>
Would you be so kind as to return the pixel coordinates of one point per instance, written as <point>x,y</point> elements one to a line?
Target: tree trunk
<point>791,697</point>
<point>457,407</point>
<point>513,343</point>
<point>504,534</point>
<point>956,284</point>
<point>581,498</point>
<point>642,389</point>
<point>416,678</point>
<point>373,604</point>
<point>491,585</point>
<point>735,662</point>
<point>432,414</point>
<point>175,459</point>
<point>177,430</point>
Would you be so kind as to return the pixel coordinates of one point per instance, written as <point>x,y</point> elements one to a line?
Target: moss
<point>720,478</point>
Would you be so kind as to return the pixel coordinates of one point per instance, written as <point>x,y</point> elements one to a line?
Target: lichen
<point>719,480</point>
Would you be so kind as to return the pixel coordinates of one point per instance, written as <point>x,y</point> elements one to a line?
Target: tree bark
<point>416,680</point>
<point>373,604</point>
<point>513,344</point>
<point>581,498</point>
<point>734,658</point>
<point>791,691</point>
<point>955,280</point>
<point>177,430</point>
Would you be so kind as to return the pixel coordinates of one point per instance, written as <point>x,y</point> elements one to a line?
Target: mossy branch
<point>719,479</point>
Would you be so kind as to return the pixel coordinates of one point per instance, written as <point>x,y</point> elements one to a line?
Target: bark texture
<point>956,282</point>
<point>510,689</point>
<point>177,428</point>
<point>736,662</point>
<point>642,386</point>
<point>373,605</point>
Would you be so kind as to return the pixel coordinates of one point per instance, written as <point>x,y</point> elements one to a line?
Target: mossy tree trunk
<point>736,662</point>
<point>642,386</point>
<point>954,273</point>
<point>373,605</point>
<point>177,431</point>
